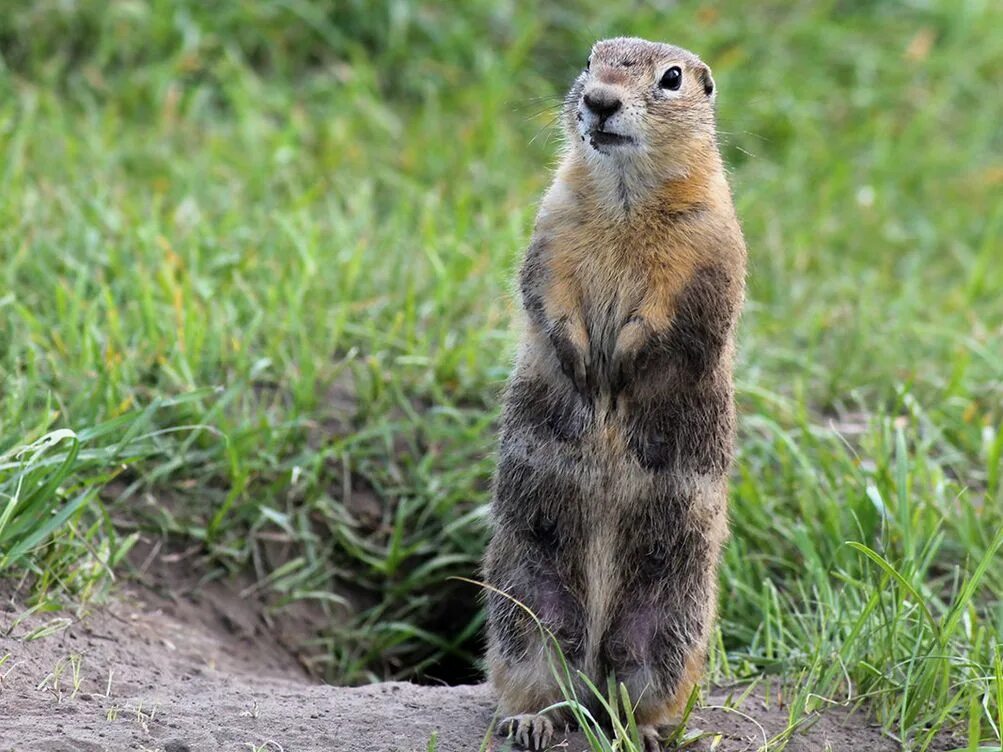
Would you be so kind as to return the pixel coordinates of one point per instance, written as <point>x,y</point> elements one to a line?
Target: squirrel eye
<point>588,63</point>
<point>672,78</point>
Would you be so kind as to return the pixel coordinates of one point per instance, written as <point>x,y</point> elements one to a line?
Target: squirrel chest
<point>618,273</point>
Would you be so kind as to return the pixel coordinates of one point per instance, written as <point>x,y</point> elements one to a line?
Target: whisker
<point>548,127</point>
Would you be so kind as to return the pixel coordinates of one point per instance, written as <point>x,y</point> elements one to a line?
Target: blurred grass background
<point>256,263</point>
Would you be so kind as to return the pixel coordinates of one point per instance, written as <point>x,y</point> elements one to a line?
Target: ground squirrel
<point>609,506</point>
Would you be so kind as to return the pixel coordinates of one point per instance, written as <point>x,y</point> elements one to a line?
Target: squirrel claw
<point>534,732</point>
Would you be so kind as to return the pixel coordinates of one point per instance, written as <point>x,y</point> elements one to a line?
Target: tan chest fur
<point>611,267</point>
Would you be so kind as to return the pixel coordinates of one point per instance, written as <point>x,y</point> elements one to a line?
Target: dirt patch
<point>140,675</point>
<point>236,609</point>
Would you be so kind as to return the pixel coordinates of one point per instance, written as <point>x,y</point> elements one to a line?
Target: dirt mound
<point>136,675</point>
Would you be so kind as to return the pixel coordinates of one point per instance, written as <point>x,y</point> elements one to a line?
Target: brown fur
<point>609,510</point>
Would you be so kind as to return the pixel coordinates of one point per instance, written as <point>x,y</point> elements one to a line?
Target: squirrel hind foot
<point>530,731</point>
<point>651,738</point>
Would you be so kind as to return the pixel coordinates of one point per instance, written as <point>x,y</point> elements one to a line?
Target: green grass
<point>297,223</point>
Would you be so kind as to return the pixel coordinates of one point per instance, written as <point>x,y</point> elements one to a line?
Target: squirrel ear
<point>703,73</point>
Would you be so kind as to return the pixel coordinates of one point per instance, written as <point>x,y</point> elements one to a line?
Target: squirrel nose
<point>602,103</point>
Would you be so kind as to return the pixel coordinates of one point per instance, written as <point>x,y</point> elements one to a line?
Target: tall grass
<point>53,526</point>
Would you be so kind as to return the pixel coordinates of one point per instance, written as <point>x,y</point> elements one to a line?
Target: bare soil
<point>175,675</point>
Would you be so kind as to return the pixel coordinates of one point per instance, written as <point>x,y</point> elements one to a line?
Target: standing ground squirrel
<point>610,495</point>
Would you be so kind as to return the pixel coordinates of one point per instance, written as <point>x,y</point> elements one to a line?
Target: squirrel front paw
<point>572,351</point>
<point>623,364</point>
<point>620,369</point>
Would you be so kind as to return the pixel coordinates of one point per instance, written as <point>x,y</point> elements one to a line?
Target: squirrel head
<point>642,108</point>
